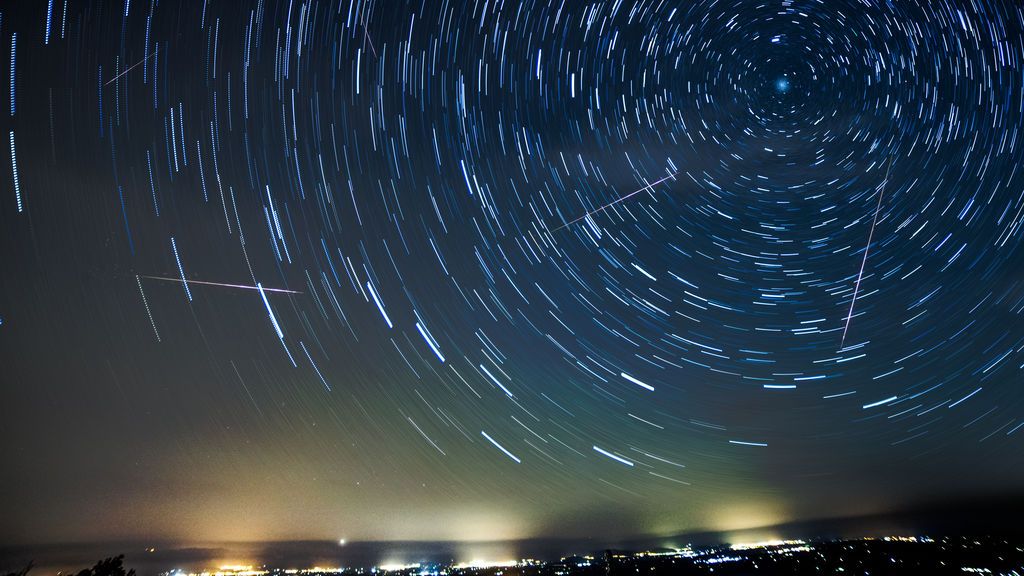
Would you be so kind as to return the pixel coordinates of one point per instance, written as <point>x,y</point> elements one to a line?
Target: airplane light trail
<point>860,275</point>
<point>613,203</point>
<point>222,285</point>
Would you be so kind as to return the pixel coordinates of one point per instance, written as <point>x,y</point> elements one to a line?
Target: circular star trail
<point>720,254</point>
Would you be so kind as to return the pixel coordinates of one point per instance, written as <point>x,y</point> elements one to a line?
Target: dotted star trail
<point>595,232</point>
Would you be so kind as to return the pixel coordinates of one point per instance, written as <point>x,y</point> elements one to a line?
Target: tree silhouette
<point>110,567</point>
<point>113,566</point>
<point>23,571</point>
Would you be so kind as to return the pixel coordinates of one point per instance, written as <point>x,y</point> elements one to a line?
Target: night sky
<point>491,269</point>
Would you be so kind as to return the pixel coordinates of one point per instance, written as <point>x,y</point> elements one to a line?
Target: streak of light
<point>367,38</point>
<point>860,275</point>
<point>130,68</point>
<point>500,447</point>
<point>612,456</point>
<point>637,382</point>
<point>223,285</point>
<point>879,403</point>
<point>614,202</point>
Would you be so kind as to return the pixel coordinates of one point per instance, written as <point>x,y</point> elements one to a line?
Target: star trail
<point>487,269</point>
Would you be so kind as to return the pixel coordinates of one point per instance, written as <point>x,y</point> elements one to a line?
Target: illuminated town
<point>865,556</point>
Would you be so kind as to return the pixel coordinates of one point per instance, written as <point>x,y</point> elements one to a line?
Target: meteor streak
<point>860,275</point>
<point>614,202</point>
<point>222,285</point>
<point>132,67</point>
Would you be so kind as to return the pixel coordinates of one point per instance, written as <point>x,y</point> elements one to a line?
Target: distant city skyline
<point>876,554</point>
